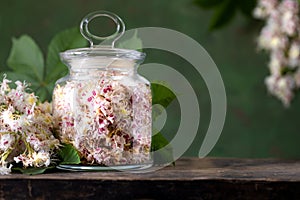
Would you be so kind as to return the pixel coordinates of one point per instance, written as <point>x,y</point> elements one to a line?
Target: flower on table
<point>25,128</point>
<point>36,159</point>
<point>5,169</point>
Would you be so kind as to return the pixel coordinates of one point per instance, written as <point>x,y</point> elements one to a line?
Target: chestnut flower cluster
<point>281,38</point>
<point>25,128</point>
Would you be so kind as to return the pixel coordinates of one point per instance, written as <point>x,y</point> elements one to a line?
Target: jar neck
<point>102,72</point>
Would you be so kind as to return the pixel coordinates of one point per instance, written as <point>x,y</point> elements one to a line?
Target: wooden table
<point>191,178</point>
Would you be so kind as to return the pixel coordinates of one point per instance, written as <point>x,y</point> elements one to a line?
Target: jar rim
<point>106,52</point>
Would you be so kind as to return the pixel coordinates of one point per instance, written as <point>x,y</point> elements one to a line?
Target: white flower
<point>6,141</point>
<point>264,8</point>
<point>4,169</point>
<point>282,87</point>
<point>20,86</point>
<point>278,42</point>
<point>270,82</point>
<point>289,23</point>
<point>297,78</point>
<point>290,20</point>
<point>26,160</point>
<point>7,116</point>
<point>41,159</point>
<point>15,122</point>
<point>46,107</point>
<point>294,54</point>
<point>277,63</point>
<point>4,86</point>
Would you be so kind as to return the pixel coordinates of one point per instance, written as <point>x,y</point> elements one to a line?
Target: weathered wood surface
<point>191,178</point>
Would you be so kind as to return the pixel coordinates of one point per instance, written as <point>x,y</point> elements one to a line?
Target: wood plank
<point>191,178</point>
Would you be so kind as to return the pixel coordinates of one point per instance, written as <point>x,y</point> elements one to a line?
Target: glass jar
<point>103,106</point>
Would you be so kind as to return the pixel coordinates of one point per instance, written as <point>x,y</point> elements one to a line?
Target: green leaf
<point>69,155</point>
<point>161,94</point>
<point>65,40</point>
<point>158,142</point>
<point>247,6</point>
<point>26,58</point>
<point>208,4</point>
<point>132,43</point>
<point>43,93</point>
<point>163,153</point>
<point>223,14</point>
<point>32,171</point>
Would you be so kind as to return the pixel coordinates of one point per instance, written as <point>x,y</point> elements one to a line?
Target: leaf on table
<point>26,58</point>
<point>223,14</point>
<point>32,171</point>
<point>69,155</point>
<point>65,40</point>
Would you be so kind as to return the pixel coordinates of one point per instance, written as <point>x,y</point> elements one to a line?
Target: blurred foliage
<point>225,10</point>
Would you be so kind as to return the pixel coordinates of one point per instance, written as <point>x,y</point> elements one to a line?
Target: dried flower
<point>107,121</point>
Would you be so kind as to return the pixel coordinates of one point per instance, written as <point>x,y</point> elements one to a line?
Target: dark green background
<point>257,125</point>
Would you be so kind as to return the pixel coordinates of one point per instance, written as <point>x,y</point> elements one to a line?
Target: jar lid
<point>99,55</point>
